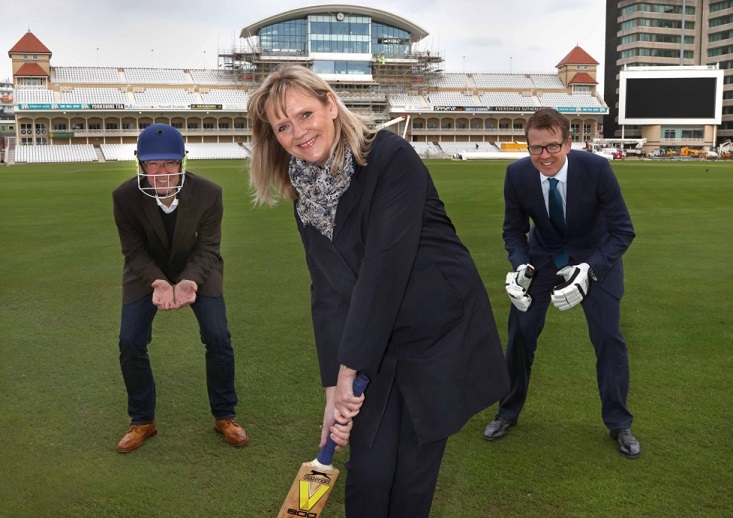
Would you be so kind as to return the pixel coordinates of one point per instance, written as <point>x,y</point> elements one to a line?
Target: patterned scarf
<point>319,191</point>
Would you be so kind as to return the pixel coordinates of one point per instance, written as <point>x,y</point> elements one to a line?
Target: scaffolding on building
<point>407,73</point>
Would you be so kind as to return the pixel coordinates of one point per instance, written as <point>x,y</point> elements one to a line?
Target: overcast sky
<point>471,35</point>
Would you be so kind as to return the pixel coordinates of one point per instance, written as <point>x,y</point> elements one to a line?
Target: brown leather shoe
<point>135,437</point>
<point>233,432</point>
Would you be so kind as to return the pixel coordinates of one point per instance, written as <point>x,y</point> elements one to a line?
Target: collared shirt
<point>562,186</point>
<point>165,209</point>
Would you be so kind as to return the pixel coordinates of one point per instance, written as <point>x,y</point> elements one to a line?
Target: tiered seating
<point>213,77</point>
<point>361,95</point>
<point>450,80</point>
<point>453,148</point>
<point>502,81</point>
<point>452,99</point>
<point>119,152</point>
<point>94,95</point>
<point>547,81</point>
<point>158,96</point>
<point>508,99</point>
<point>556,100</point>
<point>214,151</point>
<point>221,96</point>
<point>60,153</point>
<point>25,96</point>
<point>427,149</point>
<point>196,151</point>
<point>405,100</point>
<point>151,76</point>
<point>86,75</point>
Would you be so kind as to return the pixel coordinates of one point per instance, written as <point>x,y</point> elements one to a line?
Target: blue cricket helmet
<point>160,142</point>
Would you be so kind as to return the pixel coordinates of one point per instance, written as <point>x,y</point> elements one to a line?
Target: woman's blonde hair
<point>268,172</point>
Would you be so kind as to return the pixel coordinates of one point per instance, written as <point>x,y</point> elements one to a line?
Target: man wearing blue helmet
<point>169,222</point>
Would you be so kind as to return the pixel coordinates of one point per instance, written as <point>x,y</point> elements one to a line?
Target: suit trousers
<point>396,476</point>
<point>135,335</point>
<point>602,313</point>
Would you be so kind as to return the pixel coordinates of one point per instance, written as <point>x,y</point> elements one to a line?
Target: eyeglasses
<point>551,148</point>
<point>170,166</point>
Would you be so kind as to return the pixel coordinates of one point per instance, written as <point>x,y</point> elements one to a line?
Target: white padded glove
<point>517,283</point>
<point>572,292</point>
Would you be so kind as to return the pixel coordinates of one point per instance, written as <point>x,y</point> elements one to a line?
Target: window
<point>719,6</point>
<point>287,37</point>
<point>719,51</point>
<point>389,41</point>
<point>722,20</point>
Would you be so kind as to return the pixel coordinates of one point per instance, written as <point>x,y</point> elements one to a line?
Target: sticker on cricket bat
<point>312,486</point>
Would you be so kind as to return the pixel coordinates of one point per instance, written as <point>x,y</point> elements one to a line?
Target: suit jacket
<point>194,253</point>
<point>598,225</point>
<point>397,296</point>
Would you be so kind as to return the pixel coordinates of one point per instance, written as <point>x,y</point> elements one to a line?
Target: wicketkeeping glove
<point>571,292</point>
<point>517,283</point>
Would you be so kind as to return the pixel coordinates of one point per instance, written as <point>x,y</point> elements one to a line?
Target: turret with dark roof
<point>30,57</point>
<point>577,68</point>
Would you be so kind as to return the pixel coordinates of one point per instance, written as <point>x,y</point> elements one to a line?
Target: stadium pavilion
<point>374,60</point>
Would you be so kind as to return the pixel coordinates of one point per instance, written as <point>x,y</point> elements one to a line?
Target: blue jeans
<point>136,333</point>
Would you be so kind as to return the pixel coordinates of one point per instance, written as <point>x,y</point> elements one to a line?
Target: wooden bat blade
<point>310,491</point>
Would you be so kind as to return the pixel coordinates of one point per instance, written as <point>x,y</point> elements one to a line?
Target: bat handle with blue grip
<point>325,456</point>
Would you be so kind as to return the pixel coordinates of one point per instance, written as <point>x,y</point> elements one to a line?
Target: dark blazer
<point>598,225</point>
<point>397,296</point>
<point>195,251</point>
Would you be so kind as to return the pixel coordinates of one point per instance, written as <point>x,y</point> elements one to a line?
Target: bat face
<point>309,492</point>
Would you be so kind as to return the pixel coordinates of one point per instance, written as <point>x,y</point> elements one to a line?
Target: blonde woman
<point>395,294</point>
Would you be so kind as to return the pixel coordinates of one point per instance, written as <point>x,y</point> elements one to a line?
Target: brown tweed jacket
<point>194,253</point>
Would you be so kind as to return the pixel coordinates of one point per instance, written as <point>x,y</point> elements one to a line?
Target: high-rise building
<point>668,33</point>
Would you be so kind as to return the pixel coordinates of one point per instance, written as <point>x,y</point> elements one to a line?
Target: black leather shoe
<point>626,442</point>
<point>498,428</point>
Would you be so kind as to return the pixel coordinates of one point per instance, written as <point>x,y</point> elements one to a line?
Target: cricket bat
<point>313,483</point>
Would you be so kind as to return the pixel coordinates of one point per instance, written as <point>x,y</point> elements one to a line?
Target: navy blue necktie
<point>555,205</point>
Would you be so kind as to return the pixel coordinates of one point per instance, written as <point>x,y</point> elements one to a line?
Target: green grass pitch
<point>62,400</point>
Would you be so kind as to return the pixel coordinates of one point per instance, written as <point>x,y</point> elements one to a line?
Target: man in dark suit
<point>570,255</point>
<point>169,222</point>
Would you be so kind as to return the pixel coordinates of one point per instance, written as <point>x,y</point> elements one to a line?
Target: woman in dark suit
<point>395,294</point>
